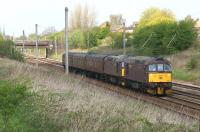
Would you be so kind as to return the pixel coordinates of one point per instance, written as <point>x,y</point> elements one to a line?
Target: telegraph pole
<point>66,38</point>
<point>124,37</point>
<point>56,48</point>
<point>88,40</point>
<point>23,41</point>
<point>36,44</point>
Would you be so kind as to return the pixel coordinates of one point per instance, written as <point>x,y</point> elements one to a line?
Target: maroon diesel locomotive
<point>152,75</point>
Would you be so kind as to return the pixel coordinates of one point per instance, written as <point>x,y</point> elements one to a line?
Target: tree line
<point>158,32</point>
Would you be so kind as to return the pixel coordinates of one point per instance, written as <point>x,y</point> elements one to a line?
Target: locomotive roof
<point>116,57</point>
<point>120,58</point>
<point>97,55</point>
<point>143,59</point>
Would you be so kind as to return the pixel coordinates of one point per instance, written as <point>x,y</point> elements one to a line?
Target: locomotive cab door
<point>123,69</point>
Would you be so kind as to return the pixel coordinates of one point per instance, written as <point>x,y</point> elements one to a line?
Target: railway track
<point>185,100</point>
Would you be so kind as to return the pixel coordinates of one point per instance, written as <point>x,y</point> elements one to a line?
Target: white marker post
<point>66,38</point>
<point>36,44</point>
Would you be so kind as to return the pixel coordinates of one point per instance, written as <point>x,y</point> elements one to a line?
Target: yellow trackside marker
<point>123,72</point>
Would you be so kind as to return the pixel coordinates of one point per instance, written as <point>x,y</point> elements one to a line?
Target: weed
<point>11,94</point>
<point>7,49</point>
<point>192,64</point>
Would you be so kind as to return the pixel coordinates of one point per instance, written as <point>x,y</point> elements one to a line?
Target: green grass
<point>185,75</point>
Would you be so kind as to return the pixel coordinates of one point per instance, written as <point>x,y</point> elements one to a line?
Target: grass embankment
<point>55,102</point>
<point>186,65</point>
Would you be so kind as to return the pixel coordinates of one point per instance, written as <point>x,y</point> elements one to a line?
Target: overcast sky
<point>16,15</point>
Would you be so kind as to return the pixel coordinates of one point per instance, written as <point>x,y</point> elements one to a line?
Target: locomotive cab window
<point>167,67</point>
<point>160,67</point>
<point>152,67</point>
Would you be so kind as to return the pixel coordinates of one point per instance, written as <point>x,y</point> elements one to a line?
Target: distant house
<point>132,27</point>
<point>135,24</point>
<point>128,29</point>
<point>119,26</point>
<point>198,28</point>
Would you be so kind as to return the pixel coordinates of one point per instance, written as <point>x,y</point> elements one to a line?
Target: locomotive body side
<point>135,70</point>
<point>95,63</point>
<point>111,65</point>
<point>79,61</point>
<point>70,57</point>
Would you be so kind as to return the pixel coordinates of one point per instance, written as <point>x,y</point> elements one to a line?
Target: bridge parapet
<point>46,44</point>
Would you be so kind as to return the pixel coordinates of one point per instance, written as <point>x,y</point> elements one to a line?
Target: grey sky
<point>17,15</point>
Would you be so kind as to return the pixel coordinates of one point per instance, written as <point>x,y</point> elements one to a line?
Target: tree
<point>103,32</point>
<point>83,17</point>
<point>117,38</point>
<point>186,34</point>
<point>153,16</point>
<point>158,33</point>
<point>76,39</point>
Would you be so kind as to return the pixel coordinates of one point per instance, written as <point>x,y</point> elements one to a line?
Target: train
<point>152,75</point>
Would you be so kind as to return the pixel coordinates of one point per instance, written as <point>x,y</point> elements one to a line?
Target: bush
<point>117,40</point>
<point>92,37</point>
<point>77,39</point>
<point>33,115</point>
<point>192,63</point>
<point>158,33</point>
<point>186,34</point>
<point>11,94</point>
<point>7,50</point>
<point>21,110</point>
<point>165,38</point>
<point>104,32</point>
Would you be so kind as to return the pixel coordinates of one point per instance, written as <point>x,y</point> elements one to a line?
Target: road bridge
<point>44,44</point>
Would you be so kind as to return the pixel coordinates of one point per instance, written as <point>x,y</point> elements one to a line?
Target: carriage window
<point>152,67</point>
<point>167,67</point>
<point>160,67</point>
